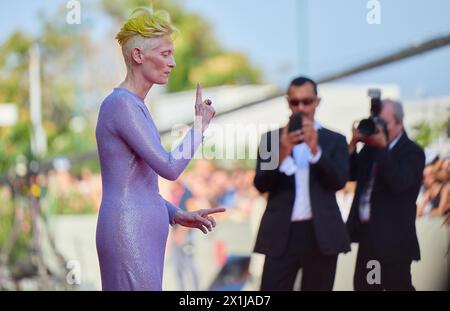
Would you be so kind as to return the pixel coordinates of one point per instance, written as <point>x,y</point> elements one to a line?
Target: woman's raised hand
<point>204,112</point>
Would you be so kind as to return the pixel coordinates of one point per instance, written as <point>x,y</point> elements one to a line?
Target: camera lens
<point>367,127</point>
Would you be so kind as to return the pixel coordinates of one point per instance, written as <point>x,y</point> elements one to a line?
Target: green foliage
<point>224,69</point>
<point>60,54</point>
<point>14,141</point>
<point>425,133</point>
<point>7,220</point>
<point>74,203</point>
<point>14,70</point>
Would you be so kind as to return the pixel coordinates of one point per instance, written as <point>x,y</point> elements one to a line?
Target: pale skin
<point>308,133</point>
<point>153,66</point>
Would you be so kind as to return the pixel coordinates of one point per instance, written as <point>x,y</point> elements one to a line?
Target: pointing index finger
<point>213,210</point>
<point>198,99</point>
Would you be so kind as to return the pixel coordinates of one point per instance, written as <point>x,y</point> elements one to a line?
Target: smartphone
<point>295,122</point>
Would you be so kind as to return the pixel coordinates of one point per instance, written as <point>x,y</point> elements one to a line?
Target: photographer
<point>301,226</point>
<point>388,171</point>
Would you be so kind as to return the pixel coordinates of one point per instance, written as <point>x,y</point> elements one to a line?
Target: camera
<point>368,127</point>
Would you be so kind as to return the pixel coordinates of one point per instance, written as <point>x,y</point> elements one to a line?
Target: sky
<point>286,38</point>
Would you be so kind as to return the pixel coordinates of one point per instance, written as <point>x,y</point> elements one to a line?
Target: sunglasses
<point>305,102</point>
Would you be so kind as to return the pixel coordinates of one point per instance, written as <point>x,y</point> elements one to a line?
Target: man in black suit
<point>302,226</point>
<point>388,171</point>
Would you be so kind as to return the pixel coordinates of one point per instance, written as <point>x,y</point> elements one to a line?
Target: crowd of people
<point>434,198</point>
<point>207,186</point>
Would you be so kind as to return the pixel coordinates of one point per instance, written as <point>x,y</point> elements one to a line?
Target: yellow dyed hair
<point>145,23</point>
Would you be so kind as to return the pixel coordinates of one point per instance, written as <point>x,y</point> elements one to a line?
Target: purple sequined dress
<point>134,219</point>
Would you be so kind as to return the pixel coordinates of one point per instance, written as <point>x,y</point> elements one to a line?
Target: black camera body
<point>368,127</point>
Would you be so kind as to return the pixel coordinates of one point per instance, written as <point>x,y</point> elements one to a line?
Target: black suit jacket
<point>326,176</point>
<point>398,179</point>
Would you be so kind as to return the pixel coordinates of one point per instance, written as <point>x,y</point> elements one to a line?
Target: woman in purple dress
<point>134,219</point>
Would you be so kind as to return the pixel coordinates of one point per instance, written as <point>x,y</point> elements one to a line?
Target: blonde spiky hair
<point>147,24</point>
<point>142,29</point>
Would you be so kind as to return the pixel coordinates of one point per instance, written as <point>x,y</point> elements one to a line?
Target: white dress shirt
<point>298,164</point>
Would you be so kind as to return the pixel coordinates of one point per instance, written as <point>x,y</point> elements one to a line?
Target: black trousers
<point>391,275</point>
<point>318,270</point>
